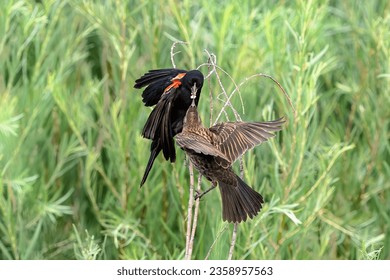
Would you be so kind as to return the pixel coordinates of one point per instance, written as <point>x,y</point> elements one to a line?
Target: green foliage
<point>71,154</point>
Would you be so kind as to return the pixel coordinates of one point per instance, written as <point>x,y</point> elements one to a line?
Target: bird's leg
<point>199,195</point>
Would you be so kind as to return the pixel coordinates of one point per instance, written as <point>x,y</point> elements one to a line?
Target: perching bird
<point>213,151</point>
<point>170,91</point>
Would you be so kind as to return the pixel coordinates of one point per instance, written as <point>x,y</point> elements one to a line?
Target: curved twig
<point>173,54</point>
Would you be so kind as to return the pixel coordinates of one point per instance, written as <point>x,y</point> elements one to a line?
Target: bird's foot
<point>199,195</point>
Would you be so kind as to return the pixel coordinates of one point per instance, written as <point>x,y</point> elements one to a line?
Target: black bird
<point>213,151</point>
<point>170,91</point>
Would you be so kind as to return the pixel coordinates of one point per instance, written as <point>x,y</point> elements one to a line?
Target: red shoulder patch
<point>175,82</point>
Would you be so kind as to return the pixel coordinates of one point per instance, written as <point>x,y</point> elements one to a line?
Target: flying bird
<point>213,151</point>
<point>169,90</point>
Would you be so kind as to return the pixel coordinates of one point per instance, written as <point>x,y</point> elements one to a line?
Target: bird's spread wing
<point>234,138</point>
<point>198,144</point>
<point>157,81</point>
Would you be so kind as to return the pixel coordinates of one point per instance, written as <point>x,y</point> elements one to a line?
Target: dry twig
<point>173,54</point>
<point>233,242</point>
<point>215,241</point>
<point>189,245</point>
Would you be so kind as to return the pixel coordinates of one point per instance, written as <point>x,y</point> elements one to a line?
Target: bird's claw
<point>198,194</point>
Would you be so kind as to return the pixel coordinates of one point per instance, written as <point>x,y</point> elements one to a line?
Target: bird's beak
<point>194,89</point>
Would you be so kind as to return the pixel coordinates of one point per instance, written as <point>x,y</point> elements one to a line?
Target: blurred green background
<point>71,153</point>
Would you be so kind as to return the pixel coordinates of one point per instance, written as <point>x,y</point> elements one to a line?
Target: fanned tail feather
<point>239,202</point>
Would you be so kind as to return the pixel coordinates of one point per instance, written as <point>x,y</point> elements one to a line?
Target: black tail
<point>239,201</point>
<point>154,151</point>
<point>158,128</point>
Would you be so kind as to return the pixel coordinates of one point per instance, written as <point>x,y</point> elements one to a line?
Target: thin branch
<point>195,220</point>
<point>212,57</point>
<point>189,213</point>
<point>215,241</point>
<point>212,62</point>
<point>173,54</point>
<point>277,83</point>
<point>233,243</point>
<point>190,234</point>
<point>189,244</point>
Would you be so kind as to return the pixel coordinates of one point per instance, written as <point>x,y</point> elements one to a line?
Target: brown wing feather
<point>198,144</point>
<point>234,138</point>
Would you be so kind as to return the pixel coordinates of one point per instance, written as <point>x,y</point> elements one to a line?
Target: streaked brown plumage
<point>213,151</point>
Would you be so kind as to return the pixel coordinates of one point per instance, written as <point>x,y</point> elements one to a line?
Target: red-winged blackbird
<point>170,91</point>
<point>213,151</point>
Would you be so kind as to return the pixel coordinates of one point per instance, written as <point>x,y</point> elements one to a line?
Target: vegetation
<point>71,153</point>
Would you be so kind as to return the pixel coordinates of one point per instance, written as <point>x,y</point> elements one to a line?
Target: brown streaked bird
<point>169,90</point>
<point>213,151</point>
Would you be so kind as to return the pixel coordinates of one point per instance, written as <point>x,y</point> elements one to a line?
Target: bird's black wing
<point>158,124</point>
<point>157,81</point>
